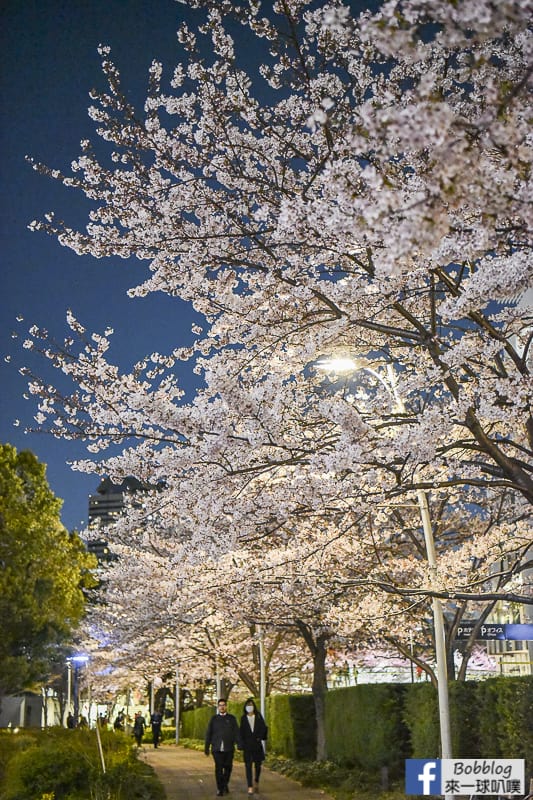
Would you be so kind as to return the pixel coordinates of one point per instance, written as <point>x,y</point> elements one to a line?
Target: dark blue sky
<point>49,62</point>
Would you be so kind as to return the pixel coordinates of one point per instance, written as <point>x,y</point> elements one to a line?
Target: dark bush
<point>421,716</point>
<point>54,767</point>
<point>67,764</point>
<point>464,718</point>
<point>291,725</point>
<point>364,727</point>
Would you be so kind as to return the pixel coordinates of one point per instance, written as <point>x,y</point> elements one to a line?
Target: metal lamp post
<point>78,661</point>
<point>349,365</point>
<point>262,673</point>
<point>69,691</point>
<point>177,704</point>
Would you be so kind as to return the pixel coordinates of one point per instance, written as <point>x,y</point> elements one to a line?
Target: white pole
<point>438,624</point>
<point>438,616</point>
<point>22,712</point>
<point>69,687</point>
<point>217,678</point>
<point>44,710</point>
<point>99,740</point>
<point>177,706</point>
<point>262,676</point>
<point>440,638</point>
<point>128,702</point>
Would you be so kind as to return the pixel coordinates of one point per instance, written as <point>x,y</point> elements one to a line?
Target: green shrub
<point>130,779</point>
<point>292,726</point>
<point>364,727</point>
<point>464,718</point>
<point>487,696</point>
<point>66,764</point>
<point>421,716</point>
<point>38,770</point>
<point>194,723</point>
<point>11,744</point>
<point>341,782</point>
<point>506,711</point>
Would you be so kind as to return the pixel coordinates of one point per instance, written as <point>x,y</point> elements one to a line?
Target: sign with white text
<point>496,630</point>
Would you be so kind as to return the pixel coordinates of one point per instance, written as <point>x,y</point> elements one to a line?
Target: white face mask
<point>249,709</point>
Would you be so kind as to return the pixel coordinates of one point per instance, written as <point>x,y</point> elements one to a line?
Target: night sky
<point>49,62</point>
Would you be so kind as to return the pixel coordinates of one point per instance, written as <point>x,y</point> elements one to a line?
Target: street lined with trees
<point>358,193</point>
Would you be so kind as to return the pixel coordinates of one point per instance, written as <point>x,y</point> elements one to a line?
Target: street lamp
<point>69,691</point>
<point>346,365</point>
<point>78,661</point>
<point>262,672</point>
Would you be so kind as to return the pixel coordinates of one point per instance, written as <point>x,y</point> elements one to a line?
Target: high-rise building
<point>105,507</point>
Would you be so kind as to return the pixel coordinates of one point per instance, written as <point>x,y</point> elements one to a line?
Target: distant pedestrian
<point>118,724</point>
<point>71,722</point>
<point>254,732</point>
<point>221,737</point>
<point>156,720</point>
<point>139,726</point>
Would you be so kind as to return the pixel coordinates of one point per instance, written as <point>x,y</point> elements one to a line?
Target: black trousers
<point>223,767</point>
<point>156,734</point>
<point>248,761</point>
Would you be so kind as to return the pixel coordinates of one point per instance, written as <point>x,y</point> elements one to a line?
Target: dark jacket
<point>156,719</point>
<point>222,730</point>
<point>252,741</point>
<point>139,724</point>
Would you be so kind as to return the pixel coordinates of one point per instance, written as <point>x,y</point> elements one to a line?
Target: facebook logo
<point>422,776</point>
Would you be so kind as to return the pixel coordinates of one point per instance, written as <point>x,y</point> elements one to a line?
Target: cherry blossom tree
<point>378,207</point>
<point>336,589</point>
<point>364,194</point>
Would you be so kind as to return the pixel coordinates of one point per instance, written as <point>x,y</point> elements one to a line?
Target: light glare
<point>337,365</point>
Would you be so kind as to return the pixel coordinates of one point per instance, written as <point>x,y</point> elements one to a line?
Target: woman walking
<point>138,728</point>
<point>253,734</point>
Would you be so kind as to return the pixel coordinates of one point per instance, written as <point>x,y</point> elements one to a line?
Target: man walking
<point>156,720</point>
<point>221,737</point>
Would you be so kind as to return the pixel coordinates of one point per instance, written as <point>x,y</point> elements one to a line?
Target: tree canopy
<point>359,193</point>
<point>43,570</point>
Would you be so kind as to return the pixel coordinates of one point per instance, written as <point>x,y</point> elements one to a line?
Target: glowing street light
<point>346,365</point>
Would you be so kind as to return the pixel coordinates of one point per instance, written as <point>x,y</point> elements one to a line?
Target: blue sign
<point>521,633</point>
<point>496,630</point>
<point>422,776</point>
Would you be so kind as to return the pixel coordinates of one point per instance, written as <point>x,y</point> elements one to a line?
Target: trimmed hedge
<point>291,726</point>
<point>365,728</point>
<point>491,718</point>
<point>194,723</point>
<point>372,726</point>
<point>421,716</point>
<point>505,708</point>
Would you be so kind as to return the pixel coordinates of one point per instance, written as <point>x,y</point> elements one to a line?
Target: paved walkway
<point>190,775</point>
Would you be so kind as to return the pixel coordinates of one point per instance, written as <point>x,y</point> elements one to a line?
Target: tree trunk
<point>320,687</point>
<point>317,646</point>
